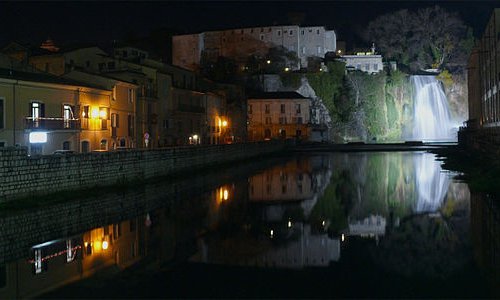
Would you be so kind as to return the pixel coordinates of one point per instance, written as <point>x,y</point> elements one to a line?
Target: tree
<point>427,38</point>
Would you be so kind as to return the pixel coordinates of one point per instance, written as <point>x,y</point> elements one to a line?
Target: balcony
<point>51,123</point>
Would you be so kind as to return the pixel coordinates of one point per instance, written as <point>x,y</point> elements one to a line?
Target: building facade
<point>278,115</point>
<point>482,129</point>
<point>190,50</point>
<point>47,113</point>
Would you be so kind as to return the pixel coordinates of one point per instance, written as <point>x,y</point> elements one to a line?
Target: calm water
<point>328,225</point>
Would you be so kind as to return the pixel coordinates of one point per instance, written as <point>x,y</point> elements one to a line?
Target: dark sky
<point>98,21</point>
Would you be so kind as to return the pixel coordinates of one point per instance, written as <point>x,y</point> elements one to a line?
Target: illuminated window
<point>67,115</point>
<point>37,111</point>
<point>39,264</point>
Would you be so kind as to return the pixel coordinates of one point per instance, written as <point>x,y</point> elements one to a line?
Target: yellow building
<point>121,107</point>
<point>278,115</point>
<point>47,113</point>
<point>56,263</point>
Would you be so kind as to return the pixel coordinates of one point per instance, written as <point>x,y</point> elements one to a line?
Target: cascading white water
<point>432,185</point>
<point>431,113</point>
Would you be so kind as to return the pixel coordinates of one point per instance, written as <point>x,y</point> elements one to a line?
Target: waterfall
<point>431,114</point>
<point>432,184</point>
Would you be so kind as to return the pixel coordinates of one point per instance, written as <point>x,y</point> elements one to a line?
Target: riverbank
<point>22,176</point>
<point>481,172</point>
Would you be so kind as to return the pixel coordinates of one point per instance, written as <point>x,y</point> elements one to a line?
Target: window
<point>124,53</point>
<point>242,31</point>
<point>282,120</point>
<point>282,108</point>
<point>66,145</point>
<point>133,225</point>
<point>319,49</point>
<point>303,50</point>
<point>302,32</point>
<point>2,113</point>
<point>269,30</point>
<point>291,32</point>
<point>279,32</point>
<point>130,125</point>
<point>165,124</point>
<point>368,67</point>
<point>375,67</point>
<point>40,265</point>
<point>267,133</point>
<point>251,30</point>
<point>37,111</point>
<point>297,108</point>
<point>268,120</point>
<point>117,231</point>
<point>115,120</point>
<point>299,120</point>
<point>87,63</point>
<point>317,31</point>
<point>268,108</point>
<point>298,132</point>
<point>250,108</point>
<point>262,30</point>
<point>261,37</point>
<point>111,65</point>
<point>101,66</point>
<point>358,66</point>
<point>85,146</point>
<point>67,115</point>
<point>85,113</point>
<point>104,145</point>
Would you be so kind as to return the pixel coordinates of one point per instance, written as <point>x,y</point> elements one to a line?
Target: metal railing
<point>51,123</point>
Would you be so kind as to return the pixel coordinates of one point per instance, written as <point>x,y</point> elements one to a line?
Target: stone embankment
<point>24,176</point>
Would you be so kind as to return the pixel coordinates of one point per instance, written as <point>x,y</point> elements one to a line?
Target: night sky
<point>100,22</point>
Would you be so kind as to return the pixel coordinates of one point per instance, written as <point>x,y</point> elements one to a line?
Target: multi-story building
<point>278,115</point>
<point>48,113</point>
<point>489,77</point>
<point>368,62</point>
<point>484,87</point>
<point>189,50</point>
<point>121,107</point>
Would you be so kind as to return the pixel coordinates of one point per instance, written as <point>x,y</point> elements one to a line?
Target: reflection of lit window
<point>38,261</point>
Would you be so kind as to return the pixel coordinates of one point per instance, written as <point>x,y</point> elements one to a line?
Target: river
<point>328,225</point>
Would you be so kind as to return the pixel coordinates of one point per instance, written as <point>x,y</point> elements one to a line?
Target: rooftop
<point>277,95</point>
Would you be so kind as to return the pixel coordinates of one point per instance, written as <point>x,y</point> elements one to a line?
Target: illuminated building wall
<point>290,182</point>
<point>189,50</point>
<point>278,115</point>
<point>370,63</point>
<point>121,107</point>
<point>33,102</point>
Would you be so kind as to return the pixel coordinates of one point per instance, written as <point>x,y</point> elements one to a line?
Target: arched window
<point>85,146</point>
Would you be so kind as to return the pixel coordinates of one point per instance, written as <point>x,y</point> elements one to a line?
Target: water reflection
<point>358,213</point>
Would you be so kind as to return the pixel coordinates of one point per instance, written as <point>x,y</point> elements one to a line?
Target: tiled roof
<point>277,95</point>
<point>41,77</point>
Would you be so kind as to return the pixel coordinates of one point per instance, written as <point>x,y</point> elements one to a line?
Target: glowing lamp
<point>268,61</point>
<point>38,137</point>
<point>102,114</point>
<point>224,123</point>
<point>94,113</point>
<point>226,195</point>
<point>287,69</point>
<point>105,245</point>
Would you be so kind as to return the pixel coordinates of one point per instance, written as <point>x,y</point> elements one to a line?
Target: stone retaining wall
<point>24,176</point>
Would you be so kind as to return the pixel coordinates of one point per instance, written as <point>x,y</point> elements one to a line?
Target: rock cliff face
<point>319,112</point>
<point>457,95</point>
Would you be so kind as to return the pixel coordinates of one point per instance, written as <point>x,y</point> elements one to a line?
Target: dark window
<point>133,225</point>
<point>111,65</point>
<point>85,146</point>
<point>2,118</point>
<point>66,145</point>
<point>282,108</point>
<point>250,108</point>
<point>268,108</point>
<point>3,276</point>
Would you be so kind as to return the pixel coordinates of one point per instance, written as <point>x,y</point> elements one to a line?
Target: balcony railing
<point>51,123</point>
